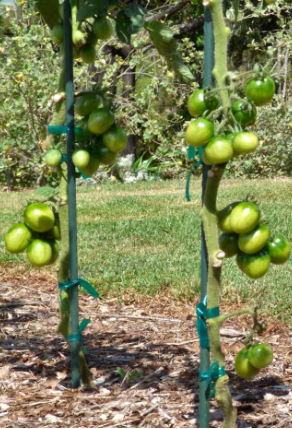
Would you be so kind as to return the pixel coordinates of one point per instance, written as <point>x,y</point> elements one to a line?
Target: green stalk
<point>209,218</point>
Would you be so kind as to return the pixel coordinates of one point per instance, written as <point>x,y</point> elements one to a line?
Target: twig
<point>128,316</point>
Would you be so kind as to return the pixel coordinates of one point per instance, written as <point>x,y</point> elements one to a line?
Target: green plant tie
<point>87,286</point>
<point>76,337</point>
<point>191,155</point>
<point>211,377</point>
<point>204,313</point>
<point>63,129</point>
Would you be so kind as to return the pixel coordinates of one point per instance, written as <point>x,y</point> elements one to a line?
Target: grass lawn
<point>146,237</point>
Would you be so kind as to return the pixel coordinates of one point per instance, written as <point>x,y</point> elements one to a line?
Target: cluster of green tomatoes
<point>99,139</point>
<point>37,235</point>
<point>219,149</point>
<point>250,240</point>
<point>85,37</point>
<point>250,360</point>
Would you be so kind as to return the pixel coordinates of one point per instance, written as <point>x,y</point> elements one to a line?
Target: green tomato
<point>205,159</point>
<point>199,132</point>
<point>228,243</point>
<point>244,142</point>
<point>256,265</point>
<point>243,368</point>
<point>198,103</point>
<point>115,139</point>
<point>279,250</point>
<point>85,135</point>
<point>39,252</point>
<point>260,91</point>
<point>100,120</point>
<point>244,217</point>
<point>53,157</point>
<point>260,356</point>
<point>223,217</point>
<point>39,217</point>
<point>17,238</point>
<point>242,114</point>
<point>81,158</point>
<point>254,240</point>
<point>92,166</point>
<point>87,54</point>
<point>58,34</point>
<point>55,231</point>
<point>240,258</point>
<point>102,28</point>
<point>105,155</point>
<point>219,150</point>
<point>55,251</point>
<point>85,104</point>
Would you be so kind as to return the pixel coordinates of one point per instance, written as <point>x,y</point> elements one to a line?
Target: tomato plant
<point>257,264</point>
<point>243,367</point>
<point>260,355</point>
<point>244,217</point>
<point>39,217</point>
<point>260,90</point>
<point>85,104</point>
<point>244,114</point>
<point>17,238</point>
<point>229,244</point>
<point>81,158</point>
<point>279,249</point>
<point>254,240</point>
<point>199,132</point>
<point>244,142</point>
<point>198,103</point>
<point>39,252</point>
<point>100,120</point>
<point>219,150</point>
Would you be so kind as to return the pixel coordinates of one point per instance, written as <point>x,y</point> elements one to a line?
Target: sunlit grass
<point>147,237</point>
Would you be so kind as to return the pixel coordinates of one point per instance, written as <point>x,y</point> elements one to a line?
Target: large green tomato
<point>256,265</point>
<point>219,150</point>
<point>53,157</point>
<point>199,132</point>
<point>115,139</point>
<point>224,218</point>
<point>254,240</point>
<point>106,156</point>
<point>244,217</point>
<point>103,28</point>
<point>260,355</point>
<point>17,238</point>
<point>100,120</point>
<point>39,252</point>
<point>92,166</point>
<point>243,367</point>
<point>58,34</point>
<point>39,217</point>
<point>85,104</point>
<point>229,244</point>
<point>87,54</point>
<point>240,258</point>
<point>55,232</point>
<point>81,158</point>
<point>205,159</point>
<point>260,91</point>
<point>244,142</point>
<point>243,114</point>
<point>279,250</point>
<point>198,103</point>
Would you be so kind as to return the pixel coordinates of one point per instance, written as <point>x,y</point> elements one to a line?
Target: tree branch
<point>168,12</point>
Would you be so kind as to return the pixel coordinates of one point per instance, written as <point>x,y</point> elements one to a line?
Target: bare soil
<point>155,337</point>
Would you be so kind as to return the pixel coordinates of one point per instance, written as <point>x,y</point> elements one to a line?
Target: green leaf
<point>46,192</point>
<point>95,7</point>
<point>134,375</point>
<point>136,14</point>
<point>121,372</point>
<point>123,27</point>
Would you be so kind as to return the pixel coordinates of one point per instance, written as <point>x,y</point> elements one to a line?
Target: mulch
<point>144,356</point>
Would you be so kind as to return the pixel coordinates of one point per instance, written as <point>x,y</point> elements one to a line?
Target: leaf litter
<point>144,356</point>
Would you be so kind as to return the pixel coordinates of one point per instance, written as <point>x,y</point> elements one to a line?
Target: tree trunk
<point>129,82</point>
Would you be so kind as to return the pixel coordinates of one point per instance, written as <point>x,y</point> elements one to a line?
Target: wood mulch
<point>152,340</point>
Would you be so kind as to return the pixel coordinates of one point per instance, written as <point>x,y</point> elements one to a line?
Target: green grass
<point>147,237</point>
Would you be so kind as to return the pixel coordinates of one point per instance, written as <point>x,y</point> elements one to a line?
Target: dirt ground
<point>154,336</point>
